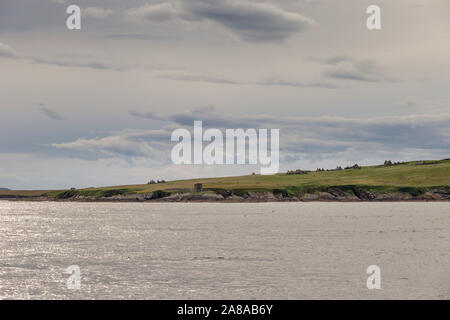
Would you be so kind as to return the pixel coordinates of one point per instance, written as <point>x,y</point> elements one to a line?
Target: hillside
<point>407,181</point>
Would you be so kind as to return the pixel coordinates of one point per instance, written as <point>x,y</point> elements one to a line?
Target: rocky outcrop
<point>331,194</point>
<point>201,197</point>
<point>130,197</point>
<point>358,194</point>
<point>263,196</point>
<point>436,194</point>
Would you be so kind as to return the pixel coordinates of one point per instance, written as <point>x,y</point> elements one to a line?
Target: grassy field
<point>408,177</point>
<point>22,193</point>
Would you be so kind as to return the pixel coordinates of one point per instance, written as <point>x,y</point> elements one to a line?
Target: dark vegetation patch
<point>5,196</point>
<point>223,192</point>
<point>94,193</point>
<point>365,192</point>
<point>414,191</point>
<point>158,194</point>
<point>66,194</point>
<point>240,192</point>
<point>281,192</point>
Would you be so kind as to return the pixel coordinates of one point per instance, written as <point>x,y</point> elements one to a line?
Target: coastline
<point>405,181</point>
<point>334,195</point>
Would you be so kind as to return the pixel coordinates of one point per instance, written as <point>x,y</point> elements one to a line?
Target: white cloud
<point>129,143</point>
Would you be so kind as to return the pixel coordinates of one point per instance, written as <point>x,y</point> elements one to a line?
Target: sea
<point>284,250</point>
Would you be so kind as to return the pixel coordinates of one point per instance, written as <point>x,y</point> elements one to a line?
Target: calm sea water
<point>224,251</point>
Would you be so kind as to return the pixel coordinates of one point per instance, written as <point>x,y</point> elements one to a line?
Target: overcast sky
<point>97,106</point>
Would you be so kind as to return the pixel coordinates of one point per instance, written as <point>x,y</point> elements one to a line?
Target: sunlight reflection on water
<point>224,251</point>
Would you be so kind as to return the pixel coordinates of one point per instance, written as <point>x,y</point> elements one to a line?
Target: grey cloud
<point>142,36</point>
<point>408,104</point>
<point>338,59</point>
<point>29,15</point>
<point>199,78</point>
<point>251,21</point>
<point>76,61</point>
<point>432,105</point>
<point>366,70</point>
<point>96,12</point>
<point>324,136</point>
<point>270,82</point>
<point>311,139</point>
<point>207,114</point>
<point>51,114</point>
<point>145,115</point>
<point>351,75</point>
<point>6,50</point>
<point>345,67</point>
<point>152,12</point>
<point>331,60</point>
<point>97,64</point>
<point>19,15</point>
<point>298,84</point>
<point>76,64</point>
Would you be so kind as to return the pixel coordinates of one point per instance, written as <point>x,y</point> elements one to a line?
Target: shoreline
<point>407,181</point>
<point>335,195</point>
<point>223,201</point>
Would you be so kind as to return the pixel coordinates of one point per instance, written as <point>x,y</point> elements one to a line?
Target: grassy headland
<point>410,178</point>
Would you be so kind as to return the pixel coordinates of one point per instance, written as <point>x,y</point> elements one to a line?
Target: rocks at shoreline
<point>335,194</point>
<point>363,195</point>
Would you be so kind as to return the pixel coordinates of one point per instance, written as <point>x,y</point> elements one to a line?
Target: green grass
<point>22,193</point>
<point>408,177</point>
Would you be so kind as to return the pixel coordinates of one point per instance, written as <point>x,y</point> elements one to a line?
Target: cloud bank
<point>309,138</point>
<point>251,21</point>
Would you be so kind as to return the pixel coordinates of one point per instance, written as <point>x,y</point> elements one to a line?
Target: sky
<point>97,106</point>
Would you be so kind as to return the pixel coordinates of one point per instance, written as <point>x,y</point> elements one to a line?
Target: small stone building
<point>198,187</point>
